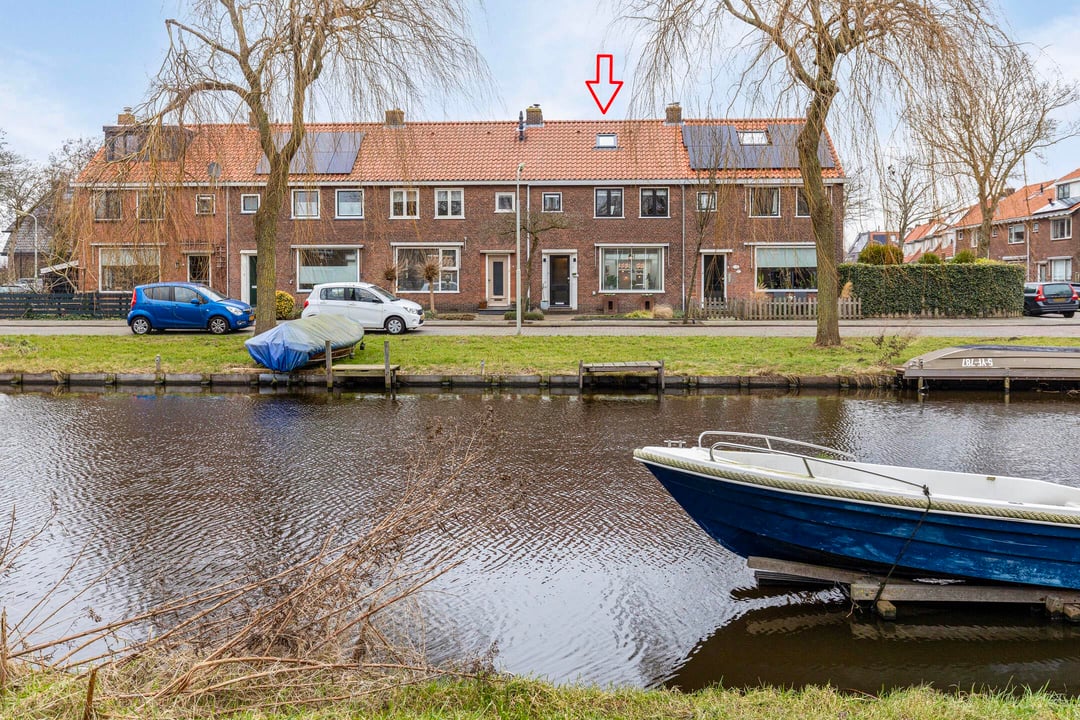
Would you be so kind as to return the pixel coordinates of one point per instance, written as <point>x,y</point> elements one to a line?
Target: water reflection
<point>584,569</point>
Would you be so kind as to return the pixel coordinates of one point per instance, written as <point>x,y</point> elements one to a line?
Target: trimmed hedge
<point>950,289</point>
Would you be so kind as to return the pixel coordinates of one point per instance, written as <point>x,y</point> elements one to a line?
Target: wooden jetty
<point>864,587</point>
<point>636,367</point>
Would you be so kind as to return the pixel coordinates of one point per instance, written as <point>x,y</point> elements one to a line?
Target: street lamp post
<point>517,249</point>
<point>36,266</point>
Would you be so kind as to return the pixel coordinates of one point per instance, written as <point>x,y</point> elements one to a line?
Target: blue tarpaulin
<point>294,344</point>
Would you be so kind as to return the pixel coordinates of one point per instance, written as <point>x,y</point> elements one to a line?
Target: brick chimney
<point>395,118</point>
<point>533,116</point>
<point>126,118</point>
<point>673,114</point>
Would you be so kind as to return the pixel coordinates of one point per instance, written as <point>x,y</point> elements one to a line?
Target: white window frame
<point>306,287</point>
<point>643,248</point>
<point>1056,223</point>
<point>337,204</point>
<point>1013,240</point>
<point>209,267</point>
<point>710,201</point>
<point>1064,191</point>
<point>753,137</point>
<point>450,265</point>
<point>155,249</point>
<point>502,196</point>
<point>1062,263</point>
<point>449,200</point>
<point>641,201</point>
<point>750,191</point>
<point>200,198</point>
<point>974,238</point>
<point>800,193</point>
<point>783,246</point>
<point>1034,227</point>
<point>243,203</point>
<point>609,190</point>
<point>318,203</point>
<point>401,196</point>
<point>544,205</point>
<point>607,141</point>
<point>99,197</point>
<point>140,198</point>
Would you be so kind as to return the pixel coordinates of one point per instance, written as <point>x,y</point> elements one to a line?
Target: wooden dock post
<point>329,367</point>
<point>387,377</point>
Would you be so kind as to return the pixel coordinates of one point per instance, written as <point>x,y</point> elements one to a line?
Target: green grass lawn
<point>501,355</point>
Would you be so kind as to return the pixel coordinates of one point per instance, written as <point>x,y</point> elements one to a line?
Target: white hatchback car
<point>370,305</point>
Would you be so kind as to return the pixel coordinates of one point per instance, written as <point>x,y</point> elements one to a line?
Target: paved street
<point>1007,328</point>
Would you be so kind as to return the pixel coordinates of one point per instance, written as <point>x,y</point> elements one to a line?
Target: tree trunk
<point>821,219</point>
<point>266,223</point>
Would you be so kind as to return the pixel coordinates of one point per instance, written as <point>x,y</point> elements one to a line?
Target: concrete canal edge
<point>245,382</point>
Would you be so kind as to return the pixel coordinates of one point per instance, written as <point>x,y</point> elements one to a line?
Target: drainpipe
<point>228,214</point>
<point>682,213</point>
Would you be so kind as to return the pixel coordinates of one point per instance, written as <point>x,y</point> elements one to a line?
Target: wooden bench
<point>624,368</point>
<point>387,372</point>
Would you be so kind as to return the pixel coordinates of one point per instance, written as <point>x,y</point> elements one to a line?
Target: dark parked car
<point>1050,297</point>
<point>185,306</point>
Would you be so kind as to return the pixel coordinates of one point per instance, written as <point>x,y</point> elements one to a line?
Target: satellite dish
<point>213,170</point>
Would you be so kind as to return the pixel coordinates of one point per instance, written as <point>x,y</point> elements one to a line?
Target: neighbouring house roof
<point>426,152</point>
<point>21,232</point>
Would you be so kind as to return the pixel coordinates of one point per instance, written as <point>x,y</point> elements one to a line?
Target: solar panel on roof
<point>719,147</point>
<point>322,152</point>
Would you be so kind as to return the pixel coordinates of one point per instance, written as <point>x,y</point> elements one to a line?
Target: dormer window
<point>1063,191</point>
<point>753,137</point>
<point>607,141</point>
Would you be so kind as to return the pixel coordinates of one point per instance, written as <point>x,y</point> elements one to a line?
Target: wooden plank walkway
<point>864,587</point>
<point>389,373</point>
<point>624,368</point>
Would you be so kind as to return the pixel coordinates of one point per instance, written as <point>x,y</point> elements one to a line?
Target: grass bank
<point>500,355</point>
<point>42,696</point>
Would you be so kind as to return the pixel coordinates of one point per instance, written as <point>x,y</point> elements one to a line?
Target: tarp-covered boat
<point>296,343</point>
<point>770,497</point>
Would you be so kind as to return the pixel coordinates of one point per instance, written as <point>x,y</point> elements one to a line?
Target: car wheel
<point>1068,314</point>
<point>395,325</point>
<point>218,325</point>
<point>141,326</point>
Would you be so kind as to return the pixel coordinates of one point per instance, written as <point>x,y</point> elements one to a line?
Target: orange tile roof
<point>424,152</point>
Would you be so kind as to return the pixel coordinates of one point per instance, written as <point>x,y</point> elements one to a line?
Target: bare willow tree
<point>278,61</point>
<point>986,113</point>
<point>826,49</point>
<point>535,228</point>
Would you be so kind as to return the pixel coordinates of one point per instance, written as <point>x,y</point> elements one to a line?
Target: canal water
<point>584,570</point>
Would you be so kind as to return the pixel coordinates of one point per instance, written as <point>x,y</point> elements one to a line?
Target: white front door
<point>559,280</point>
<point>497,293</point>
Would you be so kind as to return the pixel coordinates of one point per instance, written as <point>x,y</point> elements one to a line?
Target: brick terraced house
<point>1032,226</point>
<point>622,215</point>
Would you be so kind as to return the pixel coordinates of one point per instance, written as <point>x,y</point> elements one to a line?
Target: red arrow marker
<point>601,88</point>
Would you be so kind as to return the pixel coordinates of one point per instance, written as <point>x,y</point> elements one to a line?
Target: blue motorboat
<point>759,495</point>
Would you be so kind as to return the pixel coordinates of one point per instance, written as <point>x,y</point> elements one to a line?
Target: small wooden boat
<point>1023,363</point>
<point>292,345</point>
<point>759,495</point>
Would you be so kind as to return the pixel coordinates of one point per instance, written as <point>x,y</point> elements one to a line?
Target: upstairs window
<point>504,202</point>
<point>1061,229</point>
<point>449,203</point>
<point>305,204</point>
<point>151,205</point>
<point>764,202</point>
<point>607,141</point>
<point>204,204</point>
<point>404,203</point>
<point>350,204</point>
<point>1016,234</point>
<point>609,202</point>
<point>552,202</point>
<point>654,202</point>
<point>706,202</point>
<point>1064,191</point>
<point>107,205</point>
<point>249,204</point>
<point>802,205</point>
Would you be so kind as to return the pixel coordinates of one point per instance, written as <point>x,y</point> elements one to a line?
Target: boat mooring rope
<point>888,575</point>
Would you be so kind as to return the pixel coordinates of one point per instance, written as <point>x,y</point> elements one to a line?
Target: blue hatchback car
<point>185,306</point>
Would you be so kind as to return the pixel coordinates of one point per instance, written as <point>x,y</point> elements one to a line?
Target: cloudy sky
<point>69,66</point>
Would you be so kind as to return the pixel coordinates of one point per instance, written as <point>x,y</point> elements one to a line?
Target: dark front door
<point>560,280</point>
<point>253,279</point>
<point>714,278</point>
